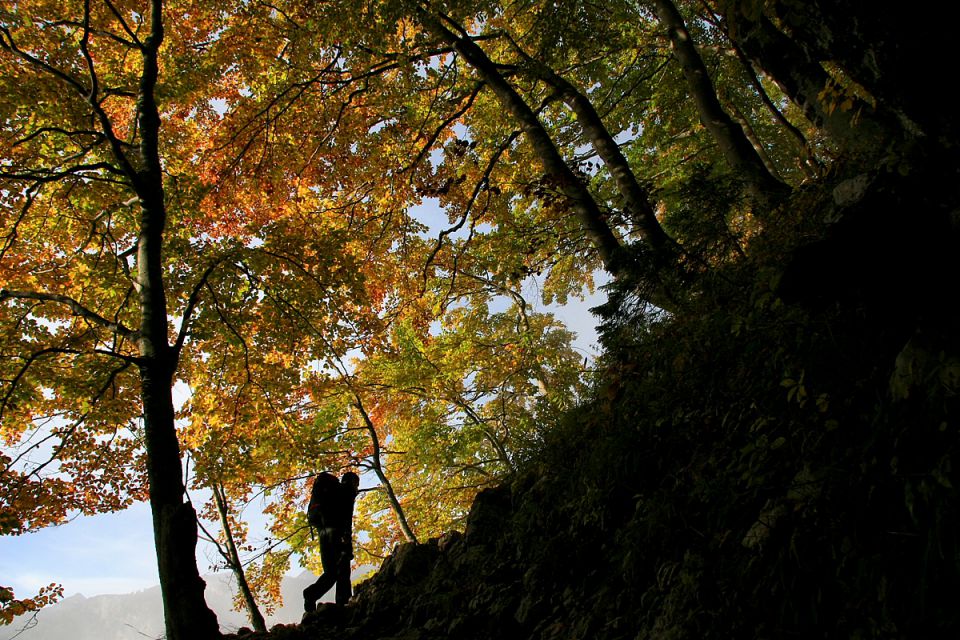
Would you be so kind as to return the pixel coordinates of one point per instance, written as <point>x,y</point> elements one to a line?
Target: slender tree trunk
<point>232,556</point>
<point>492,438</point>
<point>378,470</point>
<point>734,145</point>
<point>174,520</point>
<point>583,204</point>
<point>755,142</point>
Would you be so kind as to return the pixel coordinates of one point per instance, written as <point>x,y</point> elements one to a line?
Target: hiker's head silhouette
<point>351,479</point>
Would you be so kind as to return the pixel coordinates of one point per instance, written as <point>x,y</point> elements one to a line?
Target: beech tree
<point>461,410</point>
<point>478,108</point>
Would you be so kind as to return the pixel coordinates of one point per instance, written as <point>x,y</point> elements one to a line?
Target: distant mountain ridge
<point>138,615</point>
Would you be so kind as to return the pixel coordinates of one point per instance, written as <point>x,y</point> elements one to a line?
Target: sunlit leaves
<point>454,410</point>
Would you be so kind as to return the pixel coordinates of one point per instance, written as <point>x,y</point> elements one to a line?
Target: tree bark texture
<point>174,521</point>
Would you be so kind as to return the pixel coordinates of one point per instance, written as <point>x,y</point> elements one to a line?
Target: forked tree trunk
<point>636,199</point>
<point>604,240</point>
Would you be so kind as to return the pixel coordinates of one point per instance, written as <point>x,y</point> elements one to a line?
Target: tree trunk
<point>755,142</point>
<point>606,243</point>
<point>174,520</point>
<point>734,145</point>
<point>378,470</point>
<point>232,556</point>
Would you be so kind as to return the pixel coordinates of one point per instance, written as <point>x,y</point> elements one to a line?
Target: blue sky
<point>110,553</point>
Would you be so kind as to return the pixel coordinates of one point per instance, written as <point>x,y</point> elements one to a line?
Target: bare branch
<point>133,36</point>
<point>44,175</point>
<point>483,183</point>
<point>70,134</point>
<point>468,102</point>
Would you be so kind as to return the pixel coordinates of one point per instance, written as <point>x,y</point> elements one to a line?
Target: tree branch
<point>192,303</point>
<point>77,308</point>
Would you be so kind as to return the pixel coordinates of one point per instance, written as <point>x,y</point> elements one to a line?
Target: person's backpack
<point>322,499</point>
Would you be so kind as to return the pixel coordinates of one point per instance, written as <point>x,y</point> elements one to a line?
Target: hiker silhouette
<point>331,513</point>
